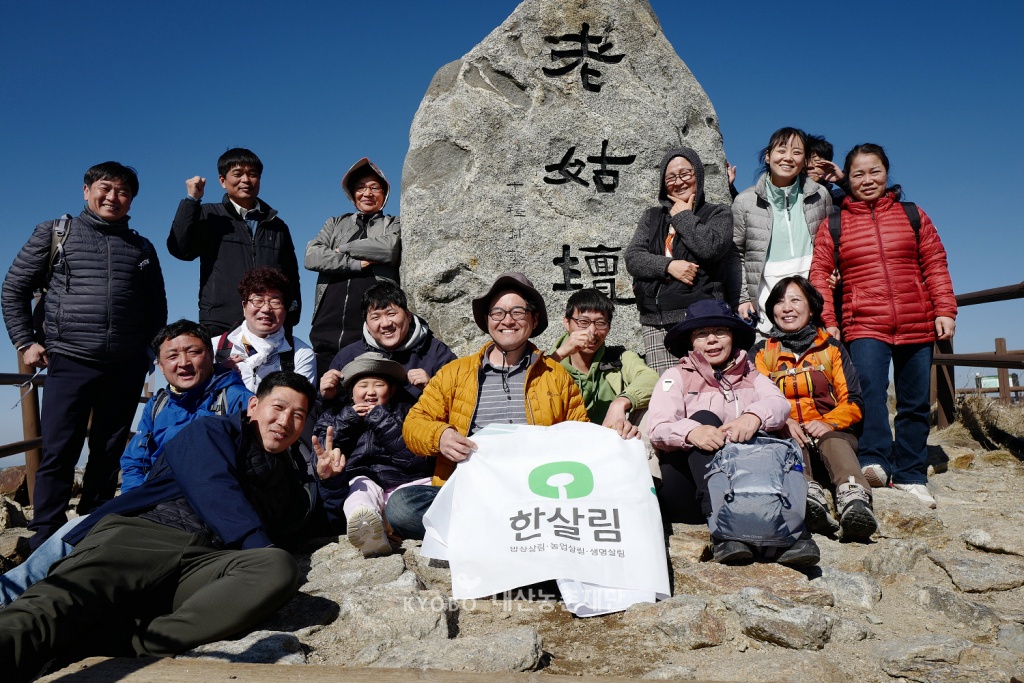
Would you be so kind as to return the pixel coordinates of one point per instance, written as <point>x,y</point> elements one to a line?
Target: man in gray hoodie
<point>351,253</point>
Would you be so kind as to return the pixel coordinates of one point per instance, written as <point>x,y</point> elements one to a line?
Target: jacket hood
<point>418,331</point>
<point>696,362</point>
<point>359,169</point>
<point>698,169</point>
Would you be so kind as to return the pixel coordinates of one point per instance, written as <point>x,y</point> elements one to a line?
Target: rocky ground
<point>936,596</point>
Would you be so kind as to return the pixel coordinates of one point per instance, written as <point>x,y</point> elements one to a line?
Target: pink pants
<point>363,491</point>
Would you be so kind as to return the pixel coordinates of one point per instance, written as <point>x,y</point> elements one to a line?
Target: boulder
<point>997,541</point>
<point>901,515</point>
<point>981,573</point>
<point>851,589</point>
<point>538,151</point>
<point>518,649</point>
<point>945,659</point>
<point>982,619</point>
<point>719,579</point>
<point>771,619</point>
<point>894,557</point>
<point>685,620</point>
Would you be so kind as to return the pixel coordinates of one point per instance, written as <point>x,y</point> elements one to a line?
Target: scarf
<point>798,341</point>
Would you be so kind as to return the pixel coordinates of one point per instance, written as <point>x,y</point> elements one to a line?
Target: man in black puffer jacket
<point>231,238</point>
<point>105,300</point>
<point>189,556</point>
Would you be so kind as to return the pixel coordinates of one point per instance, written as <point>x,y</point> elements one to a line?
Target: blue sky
<point>313,86</point>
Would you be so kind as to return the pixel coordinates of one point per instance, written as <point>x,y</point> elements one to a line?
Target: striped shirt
<point>502,397</point>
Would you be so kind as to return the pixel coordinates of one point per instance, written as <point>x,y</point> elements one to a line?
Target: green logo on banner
<point>562,480</point>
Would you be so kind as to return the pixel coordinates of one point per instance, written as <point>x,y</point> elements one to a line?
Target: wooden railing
<point>28,384</point>
<point>944,361</point>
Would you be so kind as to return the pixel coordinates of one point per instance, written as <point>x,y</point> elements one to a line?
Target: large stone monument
<point>538,151</point>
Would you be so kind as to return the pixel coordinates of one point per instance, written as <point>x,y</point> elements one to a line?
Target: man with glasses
<point>616,383</point>
<point>351,253</point>
<point>232,237</point>
<point>262,344</point>
<point>508,381</point>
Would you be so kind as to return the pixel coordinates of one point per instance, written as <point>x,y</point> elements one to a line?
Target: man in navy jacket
<point>394,331</point>
<point>104,302</point>
<point>188,557</point>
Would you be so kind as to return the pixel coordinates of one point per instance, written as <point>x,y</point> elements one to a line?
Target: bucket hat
<point>516,282</point>
<point>708,313</point>
<point>375,364</point>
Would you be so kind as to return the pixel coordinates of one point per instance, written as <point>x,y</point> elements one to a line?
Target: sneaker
<point>853,502</point>
<point>803,553</point>
<point>919,491</point>
<point>876,475</point>
<point>366,532</point>
<point>818,517</point>
<point>731,551</point>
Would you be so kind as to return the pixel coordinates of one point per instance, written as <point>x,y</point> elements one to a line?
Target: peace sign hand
<point>329,460</point>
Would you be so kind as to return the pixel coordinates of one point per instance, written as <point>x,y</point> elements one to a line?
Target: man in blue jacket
<point>188,557</point>
<point>185,356</point>
<point>104,302</point>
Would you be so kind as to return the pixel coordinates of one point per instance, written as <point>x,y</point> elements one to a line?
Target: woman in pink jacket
<point>897,300</point>
<point>712,396</point>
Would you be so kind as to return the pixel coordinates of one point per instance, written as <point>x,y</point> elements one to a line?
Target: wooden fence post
<point>1003,374</point>
<point>943,389</point>
<point>30,427</point>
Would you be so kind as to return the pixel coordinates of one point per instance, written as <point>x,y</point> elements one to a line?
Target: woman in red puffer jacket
<point>897,300</point>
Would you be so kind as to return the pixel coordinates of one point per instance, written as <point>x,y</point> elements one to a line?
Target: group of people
<point>835,279</point>
<point>779,314</point>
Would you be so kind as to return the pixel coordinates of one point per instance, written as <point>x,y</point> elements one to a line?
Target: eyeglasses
<point>517,313</point>
<point>718,332</point>
<point>372,189</point>
<point>679,177</point>
<point>584,323</point>
<point>259,302</point>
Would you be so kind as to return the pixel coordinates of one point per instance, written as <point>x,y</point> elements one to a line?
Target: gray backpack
<point>758,492</point>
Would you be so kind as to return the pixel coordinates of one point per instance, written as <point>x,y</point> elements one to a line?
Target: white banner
<point>573,502</point>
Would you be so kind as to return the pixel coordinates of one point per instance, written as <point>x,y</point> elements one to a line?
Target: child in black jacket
<point>368,430</point>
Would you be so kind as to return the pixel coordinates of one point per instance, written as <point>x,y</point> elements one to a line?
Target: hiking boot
<point>731,551</point>
<point>919,491</point>
<point>803,553</point>
<point>366,532</point>
<point>876,475</point>
<point>853,502</point>
<point>819,519</point>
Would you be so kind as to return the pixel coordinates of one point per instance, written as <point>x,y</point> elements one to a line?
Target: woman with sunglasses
<point>681,253</point>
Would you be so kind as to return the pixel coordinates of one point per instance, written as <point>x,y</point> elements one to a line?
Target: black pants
<point>139,587</point>
<point>74,390</point>
<point>683,495</point>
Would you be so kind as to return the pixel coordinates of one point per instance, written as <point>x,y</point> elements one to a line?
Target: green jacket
<point>623,374</point>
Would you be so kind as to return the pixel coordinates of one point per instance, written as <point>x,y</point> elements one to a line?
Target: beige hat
<point>375,364</point>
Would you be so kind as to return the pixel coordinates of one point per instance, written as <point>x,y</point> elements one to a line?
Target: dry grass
<point>993,425</point>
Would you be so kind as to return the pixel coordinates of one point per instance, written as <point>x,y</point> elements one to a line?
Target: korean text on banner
<point>573,502</point>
